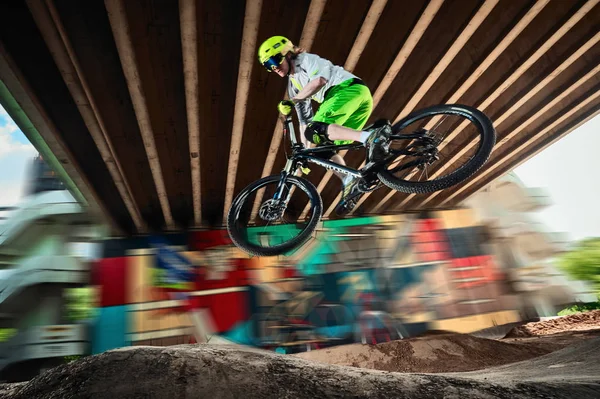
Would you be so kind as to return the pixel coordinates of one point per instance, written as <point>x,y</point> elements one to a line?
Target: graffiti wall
<point>359,280</point>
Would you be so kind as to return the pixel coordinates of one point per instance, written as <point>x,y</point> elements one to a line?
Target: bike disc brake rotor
<point>271,210</point>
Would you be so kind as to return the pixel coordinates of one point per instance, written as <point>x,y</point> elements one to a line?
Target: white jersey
<point>308,67</point>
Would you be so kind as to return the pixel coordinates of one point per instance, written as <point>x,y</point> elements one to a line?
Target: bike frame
<point>368,172</point>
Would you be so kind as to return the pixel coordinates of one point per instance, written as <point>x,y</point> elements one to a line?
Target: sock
<point>347,179</point>
<point>364,136</point>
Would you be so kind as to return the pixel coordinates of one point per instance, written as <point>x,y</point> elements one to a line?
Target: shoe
<point>350,195</point>
<point>378,143</point>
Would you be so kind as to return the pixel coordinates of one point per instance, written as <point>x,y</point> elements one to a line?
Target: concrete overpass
<point>156,112</point>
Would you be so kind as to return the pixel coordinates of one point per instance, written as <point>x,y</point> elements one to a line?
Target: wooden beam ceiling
<point>162,114</point>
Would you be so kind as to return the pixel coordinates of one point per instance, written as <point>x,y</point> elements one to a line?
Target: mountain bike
<point>278,214</point>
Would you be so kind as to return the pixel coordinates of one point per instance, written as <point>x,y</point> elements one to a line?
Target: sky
<point>16,154</point>
<point>569,170</point>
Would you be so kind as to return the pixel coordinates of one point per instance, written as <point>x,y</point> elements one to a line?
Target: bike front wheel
<point>263,220</point>
<point>455,142</point>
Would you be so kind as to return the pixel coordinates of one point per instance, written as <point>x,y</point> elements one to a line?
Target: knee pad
<point>316,133</point>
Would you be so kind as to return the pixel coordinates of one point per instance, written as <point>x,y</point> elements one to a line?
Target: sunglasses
<point>273,62</point>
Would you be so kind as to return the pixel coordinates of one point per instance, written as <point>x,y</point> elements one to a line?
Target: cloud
<point>16,154</point>
<point>14,174</point>
<point>9,137</point>
<point>11,193</point>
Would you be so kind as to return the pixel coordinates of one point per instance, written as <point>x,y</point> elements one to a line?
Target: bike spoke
<point>440,122</point>
<point>271,223</point>
<point>284,222</point>
<point>266,226</point>
<point>450,152</point>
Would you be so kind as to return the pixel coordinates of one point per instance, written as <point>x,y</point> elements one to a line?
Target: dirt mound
<point>429,354</point>
<point>575,362</point>
<point>575,322</point>
<point>195,371</point>
<point>7,390</point>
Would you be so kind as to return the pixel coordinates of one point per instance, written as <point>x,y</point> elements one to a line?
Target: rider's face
<point>283,69</point>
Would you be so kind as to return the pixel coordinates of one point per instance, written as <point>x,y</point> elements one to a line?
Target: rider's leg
<point>340,110</point>
<point>346,112</point>
<point>337,132</point>
<point>340,118</point>
<point>351,129</point>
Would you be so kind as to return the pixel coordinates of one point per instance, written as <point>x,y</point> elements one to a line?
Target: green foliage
<point>80,306</point>
<point>69,359</point>
<point>80,303</point>
<point>7,333</point>
<point>583,262</point>
<point>580,308</point>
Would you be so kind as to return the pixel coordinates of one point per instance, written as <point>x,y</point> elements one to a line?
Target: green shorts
<point>348,104</point>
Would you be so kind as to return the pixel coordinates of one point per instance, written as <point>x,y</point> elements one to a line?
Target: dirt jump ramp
<point>205,371</point>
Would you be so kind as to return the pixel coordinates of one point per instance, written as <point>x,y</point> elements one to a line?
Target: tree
<point>583,262</point>
<point>79,304</point>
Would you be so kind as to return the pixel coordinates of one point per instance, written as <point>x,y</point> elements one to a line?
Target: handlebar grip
<point>285,107</point>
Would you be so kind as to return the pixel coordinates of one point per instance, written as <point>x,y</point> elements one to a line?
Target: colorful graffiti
<point>359,280</point>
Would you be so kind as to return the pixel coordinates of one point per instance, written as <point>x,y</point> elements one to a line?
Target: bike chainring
<point>368,186</point>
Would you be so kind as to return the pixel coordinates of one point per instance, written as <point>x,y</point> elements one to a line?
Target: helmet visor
<point>273,62</point>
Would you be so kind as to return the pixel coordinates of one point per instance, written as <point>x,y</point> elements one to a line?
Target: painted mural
<point>363,280</point>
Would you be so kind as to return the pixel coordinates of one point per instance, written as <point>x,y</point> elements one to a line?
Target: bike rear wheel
<point>459,141</point>
<point>262,224</point>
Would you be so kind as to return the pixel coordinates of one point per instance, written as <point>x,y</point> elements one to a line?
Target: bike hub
<point>271,210</point>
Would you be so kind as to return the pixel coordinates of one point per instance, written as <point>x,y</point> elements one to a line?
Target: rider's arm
<point>304,111</point>
<point>305,114</point>
<point>311,88</point>
<point>303,140</point>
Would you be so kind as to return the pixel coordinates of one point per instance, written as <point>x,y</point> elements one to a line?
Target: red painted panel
<point>226,309</point>
<point>290,272</point>
<point>201,240</point>
<point>239,275</point>
<point>485,272</point>
<point>110,275</point>
<point>429,242</point>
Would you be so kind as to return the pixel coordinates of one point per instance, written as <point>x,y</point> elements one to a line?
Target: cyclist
<point>346,105</point>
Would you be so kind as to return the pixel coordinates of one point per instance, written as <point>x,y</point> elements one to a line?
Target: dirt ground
<point>429,354</point>
<point>199,371</point>
<point>549,365</point>
<point>577,322</point>
<point>442,351</point>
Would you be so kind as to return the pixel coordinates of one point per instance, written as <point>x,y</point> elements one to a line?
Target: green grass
<point>580,308</point>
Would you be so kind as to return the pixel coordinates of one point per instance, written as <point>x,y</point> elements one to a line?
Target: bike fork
<point>281,187</point>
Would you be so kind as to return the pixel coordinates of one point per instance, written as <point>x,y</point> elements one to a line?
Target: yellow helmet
<point>273,50</point>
